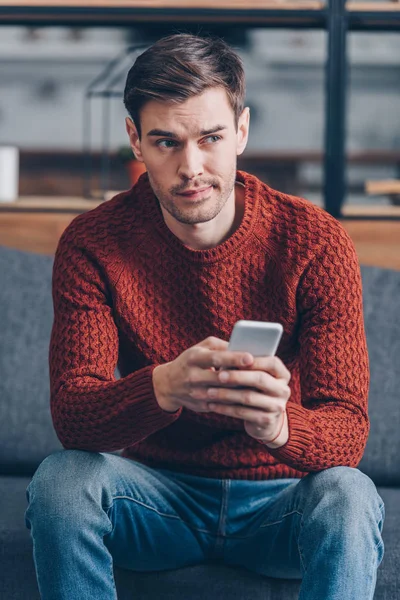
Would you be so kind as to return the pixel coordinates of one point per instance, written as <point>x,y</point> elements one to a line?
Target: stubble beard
<point>200,212</point>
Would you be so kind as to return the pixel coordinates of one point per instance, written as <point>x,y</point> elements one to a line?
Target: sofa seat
<point>18,578</point>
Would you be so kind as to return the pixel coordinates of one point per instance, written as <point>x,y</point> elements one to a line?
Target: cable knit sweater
<point>128,293</point>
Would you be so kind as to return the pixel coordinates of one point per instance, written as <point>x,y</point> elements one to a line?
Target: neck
<point>203,236</point>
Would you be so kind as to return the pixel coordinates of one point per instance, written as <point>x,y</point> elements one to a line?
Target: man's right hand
<point>175,383</point>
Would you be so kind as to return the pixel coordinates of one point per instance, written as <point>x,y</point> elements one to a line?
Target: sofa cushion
<point>381,296</point>
<point>26,311</point>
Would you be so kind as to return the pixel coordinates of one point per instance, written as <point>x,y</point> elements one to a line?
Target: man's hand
<point>260,398</point>
<point>185,380</point>
<point>256,390</point>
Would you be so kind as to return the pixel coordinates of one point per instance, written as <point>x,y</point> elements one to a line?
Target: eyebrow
<point>170,134</point>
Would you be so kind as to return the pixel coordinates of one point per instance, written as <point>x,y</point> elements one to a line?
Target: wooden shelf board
<point>165,4</point>
<point>53,204</point>
<point>359,210</point>
<point>373,6</point>
<point>385,187</point>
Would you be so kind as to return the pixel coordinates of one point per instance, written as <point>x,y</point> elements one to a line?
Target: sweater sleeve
<point>330,427</point>
<point>90,408</point>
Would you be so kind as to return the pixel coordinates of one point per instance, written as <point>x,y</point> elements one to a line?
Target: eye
<point>165,143</point>
<point>213,138</point>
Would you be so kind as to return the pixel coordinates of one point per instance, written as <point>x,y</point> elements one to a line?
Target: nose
<point>191,163</point>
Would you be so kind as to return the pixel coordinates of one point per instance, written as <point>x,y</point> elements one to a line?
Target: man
<point>251,465</point>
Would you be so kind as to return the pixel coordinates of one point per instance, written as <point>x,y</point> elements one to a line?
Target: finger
<point>262,381</point>
<point>213,343</point>
<point>245,397</point>
<point>200,378</point>
<point>272,365</point>
<point>251,415</point>
<point>205,359</point>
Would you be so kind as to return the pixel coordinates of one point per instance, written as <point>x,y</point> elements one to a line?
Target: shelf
<point>189,4</point>
<point>279,13</point>
<point>57,204</point>
<point>361,211</point>
<point>386,187</point>
<point>370,7</point>
<point>300,13</point>
<point>378,16</point>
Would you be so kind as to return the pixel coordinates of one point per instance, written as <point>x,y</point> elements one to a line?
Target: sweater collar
<point>151,209</point>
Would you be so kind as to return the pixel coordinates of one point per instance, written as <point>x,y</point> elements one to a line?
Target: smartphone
<point>260,338</point>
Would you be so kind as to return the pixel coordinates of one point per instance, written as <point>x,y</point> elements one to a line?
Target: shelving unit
<point>335,16</point>
<point>121,12</point>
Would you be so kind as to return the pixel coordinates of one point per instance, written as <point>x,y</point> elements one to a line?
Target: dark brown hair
<point>181,66</point>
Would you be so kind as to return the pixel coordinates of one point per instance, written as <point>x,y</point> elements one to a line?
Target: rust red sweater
<point>127,292</point>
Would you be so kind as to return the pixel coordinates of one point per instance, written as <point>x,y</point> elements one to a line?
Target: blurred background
<point>45,72</point>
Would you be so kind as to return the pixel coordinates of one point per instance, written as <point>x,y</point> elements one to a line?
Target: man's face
<point>190,151</point>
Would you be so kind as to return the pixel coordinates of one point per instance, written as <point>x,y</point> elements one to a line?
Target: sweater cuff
<point>147,410</point>
<point>301,435</point>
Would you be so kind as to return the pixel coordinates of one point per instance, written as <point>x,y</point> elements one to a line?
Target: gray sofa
<point>27,437</point>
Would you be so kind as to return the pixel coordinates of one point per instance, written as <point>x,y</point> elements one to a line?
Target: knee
<point>345,488</point>
<point>65,478</point>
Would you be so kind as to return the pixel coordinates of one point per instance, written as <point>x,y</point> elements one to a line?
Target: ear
<point>133,138</point>
<point>243,130</point>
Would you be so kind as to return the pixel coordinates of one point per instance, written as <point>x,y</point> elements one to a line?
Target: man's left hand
<point>260,398</point>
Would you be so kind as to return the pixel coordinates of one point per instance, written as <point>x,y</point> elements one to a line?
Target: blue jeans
<point>89,511</point>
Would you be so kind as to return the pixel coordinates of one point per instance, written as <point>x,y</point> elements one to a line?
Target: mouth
<point>197,192</point>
